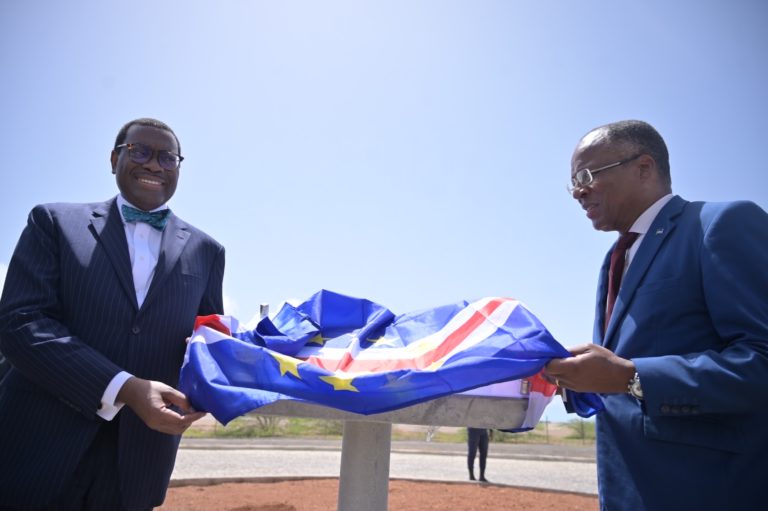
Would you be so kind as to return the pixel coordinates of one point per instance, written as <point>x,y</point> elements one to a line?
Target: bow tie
<point>157,219</point>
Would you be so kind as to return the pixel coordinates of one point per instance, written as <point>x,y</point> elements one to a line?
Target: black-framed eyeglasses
<point>141,154</point>
<point>584,177</point>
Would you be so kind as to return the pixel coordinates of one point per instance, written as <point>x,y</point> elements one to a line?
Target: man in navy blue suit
<point>681,355</point>
<point>97,304</point>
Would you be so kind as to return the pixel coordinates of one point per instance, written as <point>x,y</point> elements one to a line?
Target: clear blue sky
<point>411,152</point>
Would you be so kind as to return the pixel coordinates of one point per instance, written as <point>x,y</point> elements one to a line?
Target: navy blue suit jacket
<point>69,322</point>
<point>692,314</point>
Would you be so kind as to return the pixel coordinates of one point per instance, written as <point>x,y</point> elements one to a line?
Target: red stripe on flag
<point>212,321</point>
<point>351,365</point>
<point>542,386</point>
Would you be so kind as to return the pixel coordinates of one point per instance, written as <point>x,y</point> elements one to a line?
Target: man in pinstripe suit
<point>98,301</point>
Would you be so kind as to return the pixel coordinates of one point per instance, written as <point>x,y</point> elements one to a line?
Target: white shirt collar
<point>644,221</point>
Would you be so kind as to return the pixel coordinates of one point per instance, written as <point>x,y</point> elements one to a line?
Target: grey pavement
<point>542,466</point>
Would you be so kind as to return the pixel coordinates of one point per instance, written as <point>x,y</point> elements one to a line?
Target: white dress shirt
<point>642,224</point>
<point>144,249</point>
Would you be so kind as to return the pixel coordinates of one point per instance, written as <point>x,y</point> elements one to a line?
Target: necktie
<point>156,219</point>
<point>616,271</point>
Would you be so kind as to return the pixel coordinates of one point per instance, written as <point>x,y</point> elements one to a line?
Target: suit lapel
<point>175,237</point>
<point>108,227</point>
<point>660,229</point>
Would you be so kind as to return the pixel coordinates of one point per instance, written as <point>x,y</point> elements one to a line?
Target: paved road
<point>563,468</point>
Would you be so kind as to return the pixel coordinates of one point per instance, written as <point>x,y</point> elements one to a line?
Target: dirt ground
<point>321,495</point>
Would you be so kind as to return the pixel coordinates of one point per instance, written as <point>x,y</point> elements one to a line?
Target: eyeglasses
<point>141,154</point>
<point>584,177</point>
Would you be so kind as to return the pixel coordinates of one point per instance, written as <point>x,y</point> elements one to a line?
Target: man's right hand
<point>592,368</point>
<point>152,401</point>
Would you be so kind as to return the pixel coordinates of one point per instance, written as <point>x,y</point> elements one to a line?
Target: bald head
<point>619,170</point>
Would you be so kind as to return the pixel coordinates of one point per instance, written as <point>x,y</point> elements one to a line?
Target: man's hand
<point>591,369</point>
<point>151,401</point>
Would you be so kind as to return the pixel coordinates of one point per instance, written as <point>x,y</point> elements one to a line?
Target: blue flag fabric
<point>356,355</point>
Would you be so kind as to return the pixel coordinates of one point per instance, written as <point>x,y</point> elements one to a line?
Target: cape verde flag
<point>355,355</point>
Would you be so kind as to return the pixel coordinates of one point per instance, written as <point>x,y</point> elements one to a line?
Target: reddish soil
<point>321,495</point>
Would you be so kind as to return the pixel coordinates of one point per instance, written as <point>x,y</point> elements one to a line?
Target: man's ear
<point>113,160</point>
<point>647,166</point>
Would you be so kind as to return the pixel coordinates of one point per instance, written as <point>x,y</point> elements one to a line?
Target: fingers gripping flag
<point>355,355</point>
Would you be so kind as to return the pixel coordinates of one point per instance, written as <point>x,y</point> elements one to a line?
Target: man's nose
<point>153,165</point>
<point>579,192</point>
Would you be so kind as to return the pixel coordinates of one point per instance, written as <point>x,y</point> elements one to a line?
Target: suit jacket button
<point>136,329</point>
<point>664,409</point>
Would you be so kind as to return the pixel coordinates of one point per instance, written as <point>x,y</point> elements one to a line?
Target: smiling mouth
<point>150,182</point>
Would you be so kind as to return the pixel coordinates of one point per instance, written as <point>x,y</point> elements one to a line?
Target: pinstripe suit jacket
<point>69,322</point>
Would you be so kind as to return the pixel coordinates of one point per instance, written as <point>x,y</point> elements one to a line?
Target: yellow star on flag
<point>340,382</point>
<point>318,339</point>
<point>287,364</point>
<point>383,341</point>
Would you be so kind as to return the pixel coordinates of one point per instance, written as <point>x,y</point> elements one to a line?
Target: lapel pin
<point>660,230</point>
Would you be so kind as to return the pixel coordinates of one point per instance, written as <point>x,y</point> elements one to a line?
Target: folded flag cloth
<point>356,355</point>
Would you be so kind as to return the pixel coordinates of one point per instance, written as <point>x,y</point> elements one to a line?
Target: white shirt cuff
<point>109,406</point>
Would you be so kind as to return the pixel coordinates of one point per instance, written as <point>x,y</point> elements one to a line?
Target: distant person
<point>477,441</point>
<point>681,354</point>
<point>98,301</point>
